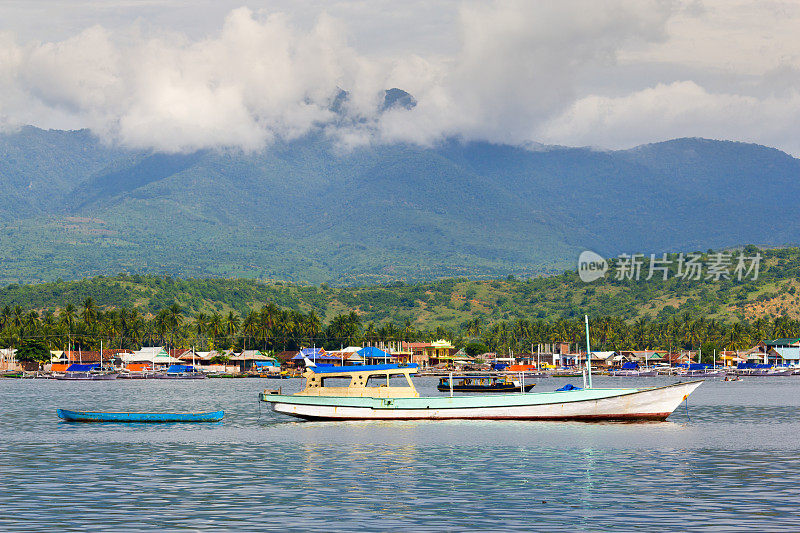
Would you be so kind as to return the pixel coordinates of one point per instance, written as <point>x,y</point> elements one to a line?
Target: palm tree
<point>231,325</point>
<point>17,318</point>
<point>89,313</point>
<point>267,323</point>
<point>174,318</point>
<point>250,326</point>
<point>216,326</point>
<point>5,317</point>
<point>31,322</point>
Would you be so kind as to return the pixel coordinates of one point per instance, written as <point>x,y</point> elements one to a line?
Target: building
<point>7,360</point>
<point>93,356</point>
<point>780,351</point>
<point>432,353</point>
<point>675,359</point>
<point>733,358</point>
<point>643,357</point>
<point>156,355</point>
<point>347,356</point>
<point>247,359</point>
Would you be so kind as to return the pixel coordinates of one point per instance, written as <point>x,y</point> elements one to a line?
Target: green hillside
<point>498,315</point>
<point>308,212</point>
<point>447,303</point>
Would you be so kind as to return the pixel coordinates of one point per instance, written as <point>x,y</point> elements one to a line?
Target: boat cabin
<point>363,381</point>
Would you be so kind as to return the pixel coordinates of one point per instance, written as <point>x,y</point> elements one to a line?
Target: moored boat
<point>633,370</point>
<point>88,372</point>
<point>91,416</point>
<point>386,392</point>
<point>181,372</point>
<point>137,371</point>
<point>762,369</point>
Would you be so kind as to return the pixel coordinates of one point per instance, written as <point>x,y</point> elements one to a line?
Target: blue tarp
<point>568,386</point>
<point>82,368</point>
<point>499,366</point>
<point>698,366</point>
<point>266,363</point>
<point>373,353</point>
<point>752,366</point>
<point>175,369</point>
<point>631,365</point>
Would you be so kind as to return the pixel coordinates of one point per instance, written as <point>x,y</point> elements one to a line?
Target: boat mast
<point>588,354</point>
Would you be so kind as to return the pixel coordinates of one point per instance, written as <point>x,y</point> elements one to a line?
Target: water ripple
<point>732,464</point>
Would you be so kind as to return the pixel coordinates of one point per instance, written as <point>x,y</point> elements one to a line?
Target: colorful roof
<point>783,342</point>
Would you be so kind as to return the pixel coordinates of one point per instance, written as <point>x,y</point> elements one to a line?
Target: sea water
<point>729,462</point>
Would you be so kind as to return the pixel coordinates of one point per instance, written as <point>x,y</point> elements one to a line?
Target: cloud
<point>258,79</point>
<point>674,110</point>
<point>608,74</point>
<point>518,66</point>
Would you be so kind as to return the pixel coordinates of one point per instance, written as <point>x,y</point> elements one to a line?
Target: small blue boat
<point>85,416</point>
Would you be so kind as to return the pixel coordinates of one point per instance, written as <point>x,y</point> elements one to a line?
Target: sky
<point>183,75</point>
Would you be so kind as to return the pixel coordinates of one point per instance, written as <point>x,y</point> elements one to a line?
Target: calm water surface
<point>732,464</point>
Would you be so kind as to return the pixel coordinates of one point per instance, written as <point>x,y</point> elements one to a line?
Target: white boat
<point>708,373</point>
<point>386,392</point>
<point>633,373</point>
<point>633,370</point>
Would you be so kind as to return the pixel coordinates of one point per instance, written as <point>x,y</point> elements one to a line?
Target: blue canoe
<point>83,416</point>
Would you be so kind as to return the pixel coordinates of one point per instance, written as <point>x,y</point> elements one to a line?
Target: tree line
<point>271,328</point>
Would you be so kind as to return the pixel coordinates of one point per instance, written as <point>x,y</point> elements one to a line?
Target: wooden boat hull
<point>763,373</point>
<point>703,374</point>
<point>84,376</point>
<point>87,416</point>
<point>655,403</point>
<point>186,375</point>
<point>633,373</point>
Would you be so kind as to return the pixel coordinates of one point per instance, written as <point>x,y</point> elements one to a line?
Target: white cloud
<point>677,110</point>
<point>609,74</point>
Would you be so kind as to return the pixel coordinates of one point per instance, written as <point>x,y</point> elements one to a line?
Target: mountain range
<point>306,211</point>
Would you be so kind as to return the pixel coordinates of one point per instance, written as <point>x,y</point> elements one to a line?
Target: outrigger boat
<point>181,372</point>
<point>632,370</point>
<point>89,416</point>
<point>89,372</point>
<point>324,398</point>
<point>482,383</point>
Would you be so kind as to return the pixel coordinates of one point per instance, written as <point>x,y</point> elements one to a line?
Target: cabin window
<point>395,380</point>
<point>337,381</point>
